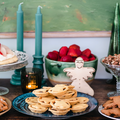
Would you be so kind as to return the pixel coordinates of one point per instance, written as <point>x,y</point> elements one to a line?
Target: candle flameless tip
<point>38,10</point>
<point>19,7</point>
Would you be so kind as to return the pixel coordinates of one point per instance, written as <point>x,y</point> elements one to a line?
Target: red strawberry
<point>56,52</point>
<point>86,52</point>
<point>92,58</point>
<point>52,56</point>
<point>67,58</point>
<point>63,51</point>
<point>74,46</point>
<point>78,51</point>
<point>84,58</point>
<point>74,58</point>
<point>58,58</point>
<point>91,55</point>
<point>72,52</point>
<point>1,53</point>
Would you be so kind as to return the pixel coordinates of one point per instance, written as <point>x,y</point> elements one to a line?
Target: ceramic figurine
<point>79,74</point>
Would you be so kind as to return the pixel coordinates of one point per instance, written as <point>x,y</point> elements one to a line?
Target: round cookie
<point>37,108</point>
<point>31,100</point>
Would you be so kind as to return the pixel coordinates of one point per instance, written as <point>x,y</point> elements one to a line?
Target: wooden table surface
<point>101,88</point>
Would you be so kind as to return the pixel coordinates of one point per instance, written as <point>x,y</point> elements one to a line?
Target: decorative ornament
<point>79,74</point>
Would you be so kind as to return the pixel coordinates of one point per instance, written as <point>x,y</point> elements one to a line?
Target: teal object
<point>55,74</point>
<point>38,57</point>
<point>16,78</point>
<point>114,46</point>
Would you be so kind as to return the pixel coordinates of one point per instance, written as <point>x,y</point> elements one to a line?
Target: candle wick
<point>39,6</point>
<point>21,3</point>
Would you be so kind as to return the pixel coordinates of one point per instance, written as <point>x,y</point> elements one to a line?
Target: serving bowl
<point>55,74</point>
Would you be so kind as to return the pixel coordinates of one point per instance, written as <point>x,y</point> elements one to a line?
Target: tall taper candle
<point>16,78</point>
<point>38,32</point>
<point>20,28</point>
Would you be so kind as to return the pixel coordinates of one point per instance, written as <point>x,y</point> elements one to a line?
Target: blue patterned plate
<point>21,106</point>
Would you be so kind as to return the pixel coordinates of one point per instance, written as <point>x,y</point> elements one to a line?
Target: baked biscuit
<point>83,100</point>
<point>45,101</point>
<point>31,100</point>
<point>41,92</point>
<point>116,100</point>
<point>79,107</point>
<point>73,101</point>
<point>59,112</point>
<point>59,90</point>
<point>37,108</point>
<point>107,102</point>
<point>60,104</point>
<point>67,95</point>
<point>115,112</point>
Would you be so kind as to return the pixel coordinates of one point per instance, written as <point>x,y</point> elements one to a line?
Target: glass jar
<point>30,79</point>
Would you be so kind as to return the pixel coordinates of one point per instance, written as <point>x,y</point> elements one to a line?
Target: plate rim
<point>99,110</point>
<point>9,105</point>
<point>55,117</point>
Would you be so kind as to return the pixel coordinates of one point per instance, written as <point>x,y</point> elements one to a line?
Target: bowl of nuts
<point>56,61</point>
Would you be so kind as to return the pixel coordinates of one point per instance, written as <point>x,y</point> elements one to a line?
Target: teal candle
<point>38,32</point>
<point>20,28</point>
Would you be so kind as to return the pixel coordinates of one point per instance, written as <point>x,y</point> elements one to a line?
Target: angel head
<point>79,62</point>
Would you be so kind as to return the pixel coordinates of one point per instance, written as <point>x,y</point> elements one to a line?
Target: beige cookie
<point>75,93</point>
<point>79,107</point>
<point>70,87</point>
<point>31,100</point>
<point>37,108</point>
<point>67,95</point>
<point>41,92</point>
<point>59,112</point>
<point>45,101</point>
<point>60,104</point>
<point>10,60</point>
<point>73,101</point>
<point>83,99</point>
<point>59,90</point>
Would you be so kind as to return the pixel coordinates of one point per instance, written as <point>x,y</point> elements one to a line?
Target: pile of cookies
<point>59,100</point>
<point>3,104</point>
<point>112,107</point>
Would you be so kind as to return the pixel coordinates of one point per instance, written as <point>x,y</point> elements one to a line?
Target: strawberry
<point>78,51</point>
<point>74,46</point>
<point>72,52</point>
<point>86,52</point>
<point>1,53</point>
<point>67,58</point>
<point>63,51</point>
<point>84,58</point>
<point>55,52</point>
<point>52,56</point>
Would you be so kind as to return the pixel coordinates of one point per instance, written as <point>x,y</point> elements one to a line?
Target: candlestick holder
<point>38,63</point>
<point>30,79</point>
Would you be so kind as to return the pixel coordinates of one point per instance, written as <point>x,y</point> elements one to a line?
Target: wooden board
<point>59,16</point>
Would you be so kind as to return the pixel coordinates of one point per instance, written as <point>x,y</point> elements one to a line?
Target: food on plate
<point>31,100</point>
<point>112,60</point>
<point>59,100</point>
<point>112,107</point>
<point>7,56</point>
<point>79,107</point>
<point>3,104</point>
<point>37,108</point>
<point>69,54</point>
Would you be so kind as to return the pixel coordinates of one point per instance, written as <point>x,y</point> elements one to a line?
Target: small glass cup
<point>30,79</point>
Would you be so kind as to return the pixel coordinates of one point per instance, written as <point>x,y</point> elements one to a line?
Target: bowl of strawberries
<point>56,61</point>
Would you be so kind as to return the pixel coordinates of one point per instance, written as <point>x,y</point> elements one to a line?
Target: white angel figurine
<point>79,74</point>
